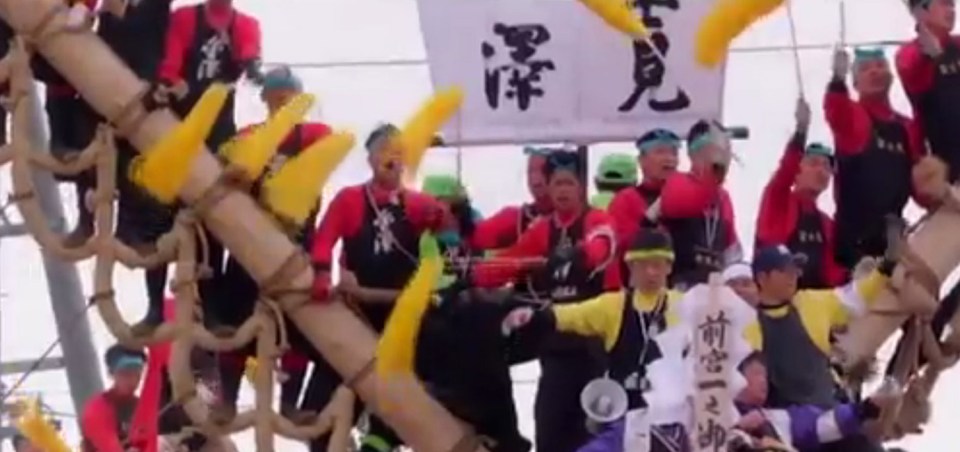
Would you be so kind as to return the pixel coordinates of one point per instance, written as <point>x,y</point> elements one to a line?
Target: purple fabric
<point>666,438</point>
<point>609,440</point>
<point>803,424</point>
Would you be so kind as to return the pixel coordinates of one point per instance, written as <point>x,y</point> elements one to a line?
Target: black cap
<point>919,3</point>
<point>776,257</point>
<point>378,138</point>
<point>650,242</point>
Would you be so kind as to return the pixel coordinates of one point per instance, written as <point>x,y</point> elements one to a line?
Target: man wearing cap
<point>239,290</point>
<point>788,209</point>
<point>569,255</point>
<point>658,159</point>
<point>626,328</point>
<point>928,69</point>
<point>616,172</point>
<point>505,227</point>
<point>697,211</point>
<point>793,326</point>
<point>107,418</point>
<point>876,148</point>
<point>379,223</point>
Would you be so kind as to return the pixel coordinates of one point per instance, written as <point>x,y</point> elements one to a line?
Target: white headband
<point>736,271</point>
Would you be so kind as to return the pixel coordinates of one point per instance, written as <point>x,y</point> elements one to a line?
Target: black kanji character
<point>523,73</point>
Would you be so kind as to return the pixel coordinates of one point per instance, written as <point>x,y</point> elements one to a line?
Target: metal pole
<point>63,282</point>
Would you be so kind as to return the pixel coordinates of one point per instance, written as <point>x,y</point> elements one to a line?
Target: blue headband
<point>535,151</point>
<point>818,149</point>
<point>699,143</point>
<point>862,54</point>
<point>127,362</point>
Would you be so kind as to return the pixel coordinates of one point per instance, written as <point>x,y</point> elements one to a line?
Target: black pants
<point>559,419</point>
<point>855,240</point>
<point>141,219</point>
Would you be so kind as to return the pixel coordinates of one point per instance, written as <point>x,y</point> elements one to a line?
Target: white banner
<point>544,71</point>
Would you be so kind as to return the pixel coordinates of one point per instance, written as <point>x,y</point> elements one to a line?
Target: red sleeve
<point>423,211</point>
<point>685,196</point>
<point>313,132</point>
<point>179,35</point>
<point>916,70</point>
<point>599,238</point>
<point>777,216</point>
<point>508,263</point>
<point>848,122</point>
<point>337,223</point>
<point>498,231</point>
<point>98,425</point>
<point>145,428</point>
<point>834,275</point>
<point>246,38</point>
<point>626,211</point>
<point>293,361</point>
<point>91,4</point>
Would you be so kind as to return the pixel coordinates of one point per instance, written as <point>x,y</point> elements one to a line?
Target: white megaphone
<point>604,400</point>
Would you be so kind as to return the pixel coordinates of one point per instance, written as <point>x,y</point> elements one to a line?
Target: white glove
<point>516,319</point>
<point>802,115</point>
<point>928,42</point>
<point>841,63</point>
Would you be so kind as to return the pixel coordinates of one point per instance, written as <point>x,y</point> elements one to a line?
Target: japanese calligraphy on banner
<point>717,318</point>
<point>551,71</point>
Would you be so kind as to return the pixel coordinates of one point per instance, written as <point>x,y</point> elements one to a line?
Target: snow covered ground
<point>760,92</point>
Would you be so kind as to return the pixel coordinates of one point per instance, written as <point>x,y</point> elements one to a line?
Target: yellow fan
<point>40,431</point>
<point>619,15</point>
<point>292,192</point>
<point>418,133</point>
<point>252,151</point>
<point>397,347</point>
<point>727,20</point>
<point>163,169</point>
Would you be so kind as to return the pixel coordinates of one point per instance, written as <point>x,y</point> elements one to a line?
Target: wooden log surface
<point>936,243</point>
<point>109,86</point>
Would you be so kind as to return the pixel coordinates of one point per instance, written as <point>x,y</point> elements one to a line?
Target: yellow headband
<point>648,254</point>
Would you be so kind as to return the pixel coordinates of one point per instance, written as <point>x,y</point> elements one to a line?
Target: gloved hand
<point>802,116</point>
<point>841,63</point>
<point>929,43</point>
<point>163,93</point>
<point>321,286</point>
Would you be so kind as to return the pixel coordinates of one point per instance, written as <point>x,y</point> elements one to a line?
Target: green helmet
<point>617,169</point>
<point>443,186</point>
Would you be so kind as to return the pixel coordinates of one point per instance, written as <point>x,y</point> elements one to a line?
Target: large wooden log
<point>109,86</point>
<point>936,244</point>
